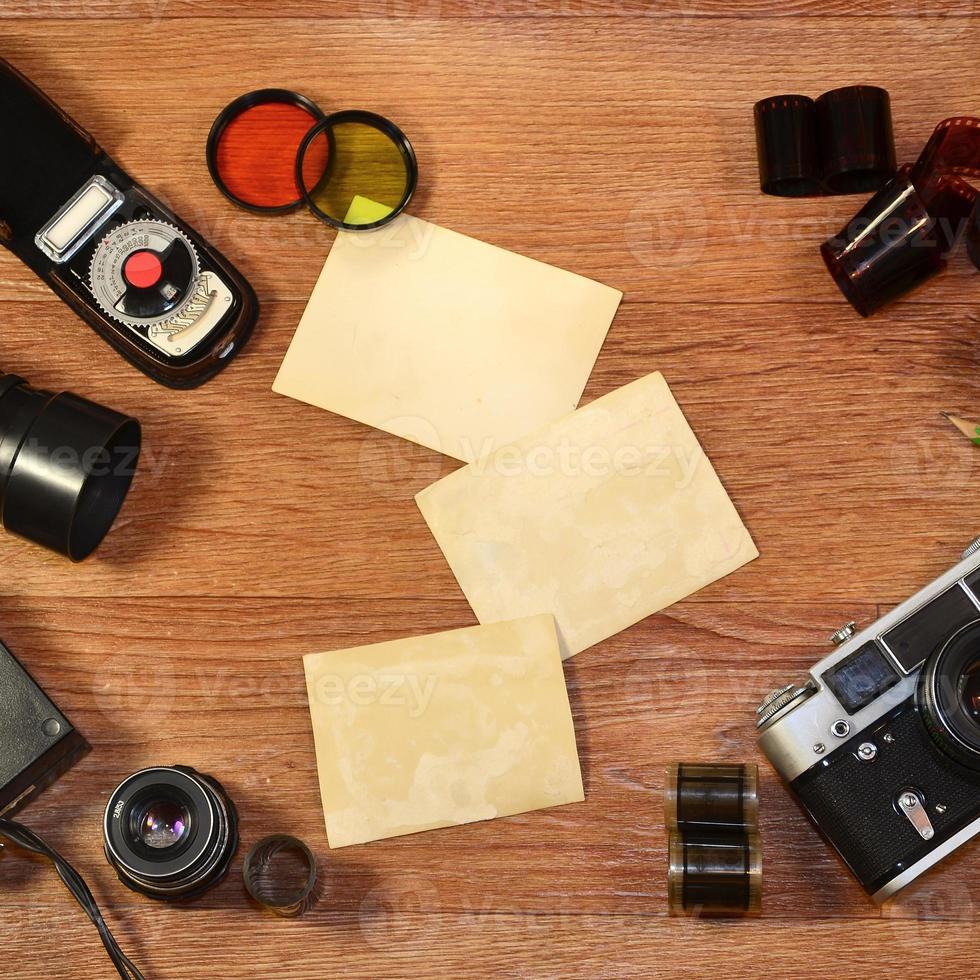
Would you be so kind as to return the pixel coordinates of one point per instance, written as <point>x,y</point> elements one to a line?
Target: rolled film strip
<point>906,232</point>
<point>711,797</point>
<point>840,143</point>
<point>711,813</point>
<point>718,876</point>
<point>280,873</point>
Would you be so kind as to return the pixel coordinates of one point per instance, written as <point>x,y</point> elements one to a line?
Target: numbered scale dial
<point>145,274</point>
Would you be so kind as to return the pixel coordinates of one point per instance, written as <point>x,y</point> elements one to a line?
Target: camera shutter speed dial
<point>779,699</point>
<point>144,273</point>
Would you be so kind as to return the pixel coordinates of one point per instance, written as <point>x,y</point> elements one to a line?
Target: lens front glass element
<point>948,696</point>
<point>162,824</point>
<point>969,690</point>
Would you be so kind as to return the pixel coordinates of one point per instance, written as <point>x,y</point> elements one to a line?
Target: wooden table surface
<point>614,140</point>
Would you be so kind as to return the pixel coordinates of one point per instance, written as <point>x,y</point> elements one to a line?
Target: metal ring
<point>260,881</point>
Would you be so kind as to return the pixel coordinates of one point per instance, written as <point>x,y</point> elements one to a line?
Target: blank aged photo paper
<point>440,730</point>
<point>601,519</point>
<point>445,340</point>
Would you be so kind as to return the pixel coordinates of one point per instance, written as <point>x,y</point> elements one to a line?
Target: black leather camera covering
<point>37,742</point>
<point>852,802</point>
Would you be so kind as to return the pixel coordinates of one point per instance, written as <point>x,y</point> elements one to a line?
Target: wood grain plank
<point>630,175</point>
<point>398,10</point>
<point>615,140</point>
<point>379,941</point>
<point>243,492</point>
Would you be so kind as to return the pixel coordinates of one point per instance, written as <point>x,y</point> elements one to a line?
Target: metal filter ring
<point>262,884</point>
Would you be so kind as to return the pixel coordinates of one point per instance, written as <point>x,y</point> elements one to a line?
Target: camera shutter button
<point>843,634</point>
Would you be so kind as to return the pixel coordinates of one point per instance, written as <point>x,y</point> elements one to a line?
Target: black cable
<point>28,840</point>
<point>20,835</point>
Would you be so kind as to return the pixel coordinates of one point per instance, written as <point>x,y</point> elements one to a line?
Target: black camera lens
<point>948,696</point>
<point>170,832</point>
<point>970,692</point>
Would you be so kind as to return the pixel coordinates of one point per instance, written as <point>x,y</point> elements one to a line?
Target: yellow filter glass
<point>364,162</point>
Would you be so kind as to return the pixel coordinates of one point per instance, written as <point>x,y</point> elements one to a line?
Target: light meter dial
<point>144,273</point>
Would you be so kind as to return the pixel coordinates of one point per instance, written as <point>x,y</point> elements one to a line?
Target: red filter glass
<point>252,149</point>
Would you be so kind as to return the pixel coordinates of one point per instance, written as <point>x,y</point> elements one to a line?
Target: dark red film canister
<point>855,140</point>
<point>888,247</point>
<point>786,143</point>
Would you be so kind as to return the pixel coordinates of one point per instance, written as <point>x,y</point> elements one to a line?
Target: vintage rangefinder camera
<point>881,743</point>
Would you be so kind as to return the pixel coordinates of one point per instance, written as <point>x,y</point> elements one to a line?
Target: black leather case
<point>45,158</point>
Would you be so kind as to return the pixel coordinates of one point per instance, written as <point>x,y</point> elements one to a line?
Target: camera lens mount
<point>948,696</point>
<point>170,832</point>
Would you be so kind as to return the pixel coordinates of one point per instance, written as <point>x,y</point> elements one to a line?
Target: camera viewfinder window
<point>861,678</point>
<point>919,635</point>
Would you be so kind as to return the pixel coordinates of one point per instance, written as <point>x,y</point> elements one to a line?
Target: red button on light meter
<point>142,270</point>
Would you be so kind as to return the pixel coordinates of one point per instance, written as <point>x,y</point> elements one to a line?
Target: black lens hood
<point>66,465</point>
<point>938,697</point>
